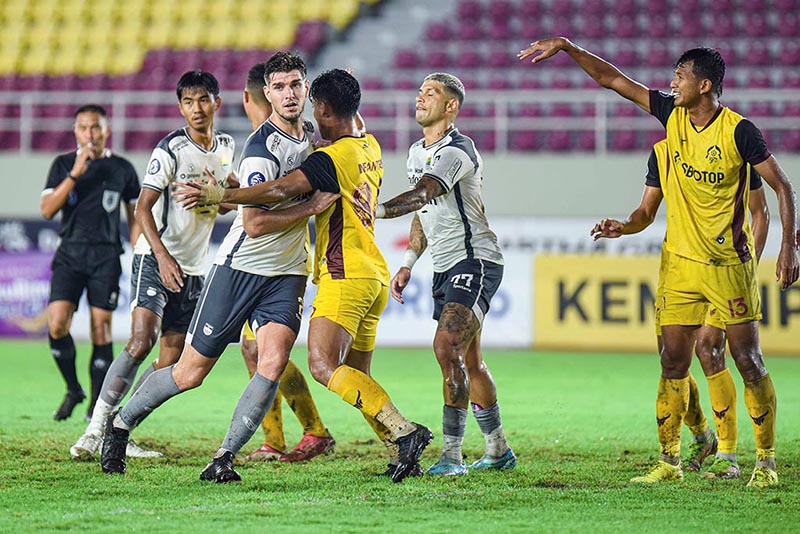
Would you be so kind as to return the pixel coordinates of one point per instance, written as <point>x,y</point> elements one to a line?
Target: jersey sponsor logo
<point>154,166</point>
<point>276,142</point>
<point>708,177</point>
<point>110,200</point>
<point>255,178</point>
<point>713,154</point>
<point>208,329</point>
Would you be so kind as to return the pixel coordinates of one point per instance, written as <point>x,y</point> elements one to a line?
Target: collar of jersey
<point>449,133</point>
<point>202,148</point>
<point>287,136</point>
<point>704,128</point>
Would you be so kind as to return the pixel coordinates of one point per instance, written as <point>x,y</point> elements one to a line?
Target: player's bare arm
<point>639,219</point>
<point>417,243</point>
<point>426,190</point>
<point>787,269</point>
<point>171,273</point>
<point>258,222</point>
<point>133,225</point>
<point>191,194</point>
<point>603,72</point>
<point>759,215</point>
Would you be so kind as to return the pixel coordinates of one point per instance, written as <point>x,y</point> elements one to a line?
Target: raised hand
<point>608,228</point>
<point>547,47</point>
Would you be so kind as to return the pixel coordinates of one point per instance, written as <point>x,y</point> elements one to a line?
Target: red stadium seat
<point>624,141</point>
<point>625,27</point>
<point>525,141</point>
<point>789,26</point>
<point>437,31</point>
<point>406,58</point>
<point>723,26</point>
<point>437,59</point>
<point>558,141</point>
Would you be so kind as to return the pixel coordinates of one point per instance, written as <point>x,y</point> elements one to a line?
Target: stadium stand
<point>137,47</point>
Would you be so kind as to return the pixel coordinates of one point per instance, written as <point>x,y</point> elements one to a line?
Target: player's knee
<point>320,371</point>
<point>750,364</point>
<point>711,358</point>
<point>476,368</point>
<point>58,328</point>
<point>140,345</point>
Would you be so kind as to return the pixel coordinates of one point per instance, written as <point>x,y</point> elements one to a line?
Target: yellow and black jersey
<point>705,181</point>
<point>345,245</point>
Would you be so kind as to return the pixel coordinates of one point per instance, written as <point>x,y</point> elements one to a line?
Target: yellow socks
<point>759,397</point>
<point>294,388</point>
<point>671,403</point>
<point>361,391</point>
<point>722,393</point>
<point>695,419</point>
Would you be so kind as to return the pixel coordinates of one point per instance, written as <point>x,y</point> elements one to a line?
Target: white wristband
<point>409,259</point>
<point>380,212</point>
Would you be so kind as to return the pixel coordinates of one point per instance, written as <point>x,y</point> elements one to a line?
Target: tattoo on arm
<point>426,190</point>
<point>416,237</point>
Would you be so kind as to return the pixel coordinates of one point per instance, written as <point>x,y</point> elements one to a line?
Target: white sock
<point>102,410</point>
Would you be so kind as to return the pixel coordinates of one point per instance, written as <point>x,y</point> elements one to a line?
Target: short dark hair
<point>707,64</point>
<point>255,83</point>
<point>197,79</point>
<point>340,90</point>
<point>451,84</point>
<point>283,62</point>
<point>91,108</point>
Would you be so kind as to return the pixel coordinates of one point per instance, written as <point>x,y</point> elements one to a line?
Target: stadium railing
<point>151,114</point>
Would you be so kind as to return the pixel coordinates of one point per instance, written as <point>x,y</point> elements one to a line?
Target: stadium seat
<point>558,141</point>
<point>524,141</point>
<point>437,32</point>
<point>406,58</point>
<point>624,141</point>
<point>436,59</point>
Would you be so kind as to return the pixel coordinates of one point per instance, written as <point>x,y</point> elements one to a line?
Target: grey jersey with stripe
<point>185,233</point>
<point>454,223</point>
<point>268,154</point>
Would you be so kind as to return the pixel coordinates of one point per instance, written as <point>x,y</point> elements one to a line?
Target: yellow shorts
<point>356,305</point>
<point>247,332</point>
<point>712,318</point>
<point>694,293</point>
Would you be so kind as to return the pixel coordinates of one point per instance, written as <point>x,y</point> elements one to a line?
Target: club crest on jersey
<point>110,200</point>
<point>714,154</point>
<point>208,329</point>
<point>154,167</point>
<point>255,178</point>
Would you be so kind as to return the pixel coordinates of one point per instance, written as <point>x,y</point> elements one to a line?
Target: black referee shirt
<point>91,213</point>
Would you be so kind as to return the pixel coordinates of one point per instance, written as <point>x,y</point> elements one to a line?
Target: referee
<point>87,186</point>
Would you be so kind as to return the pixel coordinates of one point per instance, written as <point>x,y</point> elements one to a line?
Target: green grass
<point>581,424</point>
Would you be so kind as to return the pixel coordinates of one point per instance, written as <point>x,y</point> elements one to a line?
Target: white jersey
<point>268,154</point>
<point>185,233</point>
<point>454,223</point>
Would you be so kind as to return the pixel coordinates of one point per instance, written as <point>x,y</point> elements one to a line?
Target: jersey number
<point>737,307</point>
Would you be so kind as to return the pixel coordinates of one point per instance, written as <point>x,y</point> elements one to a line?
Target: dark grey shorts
<point>470,282</point>
<point>148,291</point>
<point>231,297</point>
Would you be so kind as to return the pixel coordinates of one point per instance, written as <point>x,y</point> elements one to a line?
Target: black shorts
<point>472,283</point>
<point>232,297</point>
<point>148,291</point>
<point>95,268</point>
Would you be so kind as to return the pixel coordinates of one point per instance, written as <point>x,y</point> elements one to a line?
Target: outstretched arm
<point>759,213</point>
<point>787,270</point>
<point>417,243</point>
<point>638,220</point>
<point>603,72</point>
<point>191,194</point>
<point>426,190</point>
<point>258,222</point>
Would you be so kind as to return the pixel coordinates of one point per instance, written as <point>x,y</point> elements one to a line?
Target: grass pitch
<point>581,425</point>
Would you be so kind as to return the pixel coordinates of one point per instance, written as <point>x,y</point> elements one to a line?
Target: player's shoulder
<point>66,157</point>
<point>455,140</point>
<point>264,142</point>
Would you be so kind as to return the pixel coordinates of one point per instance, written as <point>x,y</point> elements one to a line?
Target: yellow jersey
<point>707,182</point>
<point>345,246</point>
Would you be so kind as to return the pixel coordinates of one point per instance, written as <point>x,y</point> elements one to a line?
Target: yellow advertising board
<point>606,303</point>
